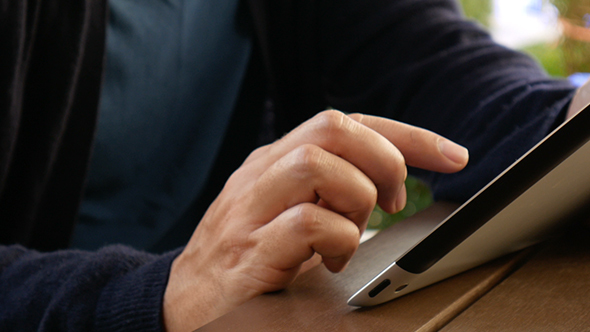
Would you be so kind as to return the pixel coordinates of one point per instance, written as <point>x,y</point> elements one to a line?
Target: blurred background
<point>555,32</point>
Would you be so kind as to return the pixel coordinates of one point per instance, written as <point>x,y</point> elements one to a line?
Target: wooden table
<point>546,288</point>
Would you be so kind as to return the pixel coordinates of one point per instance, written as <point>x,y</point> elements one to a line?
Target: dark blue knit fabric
<point>113,289</point>
<point>414,60</point>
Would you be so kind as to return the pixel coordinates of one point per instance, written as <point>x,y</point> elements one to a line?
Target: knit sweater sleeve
<point>113,289</point>
<point>421,62</point>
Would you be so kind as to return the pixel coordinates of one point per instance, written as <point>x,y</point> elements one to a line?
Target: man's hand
<point>310,192</point>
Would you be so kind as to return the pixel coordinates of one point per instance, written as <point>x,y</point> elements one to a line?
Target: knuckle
<point>358,117</point>
<point>305,159</point>
<point>306,220</point>
<point>332,122</point>
<point>348,242</point>
<point>236,178</point>
<point>258,152</point>
<point>398,164</point>
<point>370,199</point>
<point>362,201</point>
<point>352,244</point>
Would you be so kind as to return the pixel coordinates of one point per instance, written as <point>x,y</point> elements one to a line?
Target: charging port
<point>379,288</point>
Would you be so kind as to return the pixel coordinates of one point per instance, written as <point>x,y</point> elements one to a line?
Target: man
<point>310,192</point>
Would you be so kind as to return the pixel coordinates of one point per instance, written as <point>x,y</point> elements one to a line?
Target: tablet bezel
<point>510,184</point>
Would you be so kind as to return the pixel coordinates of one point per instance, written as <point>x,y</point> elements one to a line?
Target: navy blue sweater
<point>413,60</point>
<point>113,289</point>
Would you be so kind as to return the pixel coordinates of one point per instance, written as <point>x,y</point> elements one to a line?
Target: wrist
<point>133,301</point>
<point>194,296</point>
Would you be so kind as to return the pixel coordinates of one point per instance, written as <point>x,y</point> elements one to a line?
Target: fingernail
<point>400,200</point>
<point>454,152</point>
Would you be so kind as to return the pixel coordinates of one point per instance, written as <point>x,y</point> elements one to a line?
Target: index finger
<point>379,147</point>
<point>420,147</point>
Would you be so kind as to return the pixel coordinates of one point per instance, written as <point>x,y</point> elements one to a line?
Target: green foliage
<point>551,58</point>
<point>568,56</point>
<point>576,55</point>
<point>478,10</point>
<point>419,198</point>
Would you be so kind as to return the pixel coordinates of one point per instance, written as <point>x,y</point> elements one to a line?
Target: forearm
<point>420,62</point>
<point>114,289</point>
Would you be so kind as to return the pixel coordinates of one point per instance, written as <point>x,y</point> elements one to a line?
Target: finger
<point>309,264</point>
<point>420,147</point>
<point>310,174</point>
<point>363,147</point>
<point>295,235</point>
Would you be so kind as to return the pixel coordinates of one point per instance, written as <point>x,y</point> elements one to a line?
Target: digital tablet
<point>523,205</point>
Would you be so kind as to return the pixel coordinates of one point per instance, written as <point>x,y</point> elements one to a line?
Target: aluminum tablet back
<point>524,205</point>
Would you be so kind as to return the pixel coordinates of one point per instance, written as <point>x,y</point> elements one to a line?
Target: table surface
<point>545,288</point>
